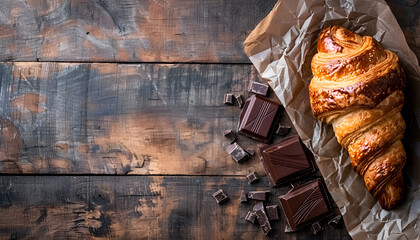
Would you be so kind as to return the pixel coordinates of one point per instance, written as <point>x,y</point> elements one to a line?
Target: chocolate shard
<point>305,204</point>
<point>237,152</point>
<point>285,161</point>
<point>272,212</point>
<point>252,177</point>
<point>239,100</point>
<point>283,130</point>
<point>260,195</point>
<point>243,197</point>
<point>258,88</point>
<point>262,218</point>
<point>335,222</point>
<point>316,228</point>
<point>257,118</point>
<point>230,135</point>
<point>250,151</point>
<point>250,216</point>
<point>228,98</point>
<point>220,196</point>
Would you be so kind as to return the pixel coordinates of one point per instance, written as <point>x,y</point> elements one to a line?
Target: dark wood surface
<point>131,88</point>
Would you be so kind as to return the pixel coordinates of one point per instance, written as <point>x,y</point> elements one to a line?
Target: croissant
<point>357,87</point>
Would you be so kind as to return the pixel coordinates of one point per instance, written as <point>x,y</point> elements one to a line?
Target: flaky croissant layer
<point>357,87</point>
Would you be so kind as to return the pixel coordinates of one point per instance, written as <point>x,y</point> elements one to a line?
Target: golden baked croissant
<point>357,87</point>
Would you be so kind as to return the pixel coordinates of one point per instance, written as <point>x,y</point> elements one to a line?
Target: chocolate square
<point>285,161</point>
<point>228,98</point>
<point>237,152</point>
<point>230,135</point>
<point>258,88</point>
<point>250,216</point>
<point>260,195</point>
<point>220,196</point>
<point>243,197</point>
<point>257,118</point>
<point>239,100</point>
<point>252,177</point>
<point>272,212</point>
<point>305,204</point>
<point>262,218</point>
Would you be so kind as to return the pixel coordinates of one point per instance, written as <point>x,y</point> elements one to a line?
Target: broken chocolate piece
<point>230,135</point>
<point>305,204</point>
<point>335,222</point>
<point>260,195</point>
<point>257,118</point>
<point>220,196</point>
<point>285,161</point>
<point>250,216</point>
<point>262,218</point>
<point>252,177</point>
<point>258,88</point>
<point>283,130</point>
<point>243,197</point>
<point>228,98</point>
<point>272,212</point>
<point>250,151</point>
<point>316,228</point>
<point>237,152</point>
<point>239,100</point>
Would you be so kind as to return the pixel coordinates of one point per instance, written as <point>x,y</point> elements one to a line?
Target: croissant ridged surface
<point>357,87</point>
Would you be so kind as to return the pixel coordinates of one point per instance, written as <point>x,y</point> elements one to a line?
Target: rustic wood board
<point>144,31</point>
<point>60,118</point>
<point>128,30</point>
<point>135,207</point>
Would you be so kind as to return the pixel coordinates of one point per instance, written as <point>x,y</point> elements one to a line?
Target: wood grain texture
<point>59,118</point>
<point>135,207</point>
<point>128,30</point>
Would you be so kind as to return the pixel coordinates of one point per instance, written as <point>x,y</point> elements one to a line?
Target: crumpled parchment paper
<point>281,48</point>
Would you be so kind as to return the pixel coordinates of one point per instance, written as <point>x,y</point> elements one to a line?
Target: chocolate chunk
<point>237,152</point>
<point>228,98</point>
<point>283,130</point>
<point>220,196</point>
<point>316,228</point>
<point>305,204</point>
<point>252,177</point>
<point>250,216</point>
<point>258,88</point>
<point>262,218</point>
<point>260,195</point>
<point>250,151</point>
<point>335,222</point>
<point>257,118</point>
<point>272,212</point>
<point>243,197</point>
<point>285,161</point>
<point>239,100</point>
<point>230,135</point>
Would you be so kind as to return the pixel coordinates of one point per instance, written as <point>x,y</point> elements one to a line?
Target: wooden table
<point>112,117</point>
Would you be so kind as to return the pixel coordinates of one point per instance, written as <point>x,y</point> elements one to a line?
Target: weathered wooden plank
<point>120,118</point>
<point>151,31</point>
<point>128,30</point>
<point>134,207</point>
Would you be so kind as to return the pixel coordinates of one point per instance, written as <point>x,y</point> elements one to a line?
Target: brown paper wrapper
<point>281,48</point>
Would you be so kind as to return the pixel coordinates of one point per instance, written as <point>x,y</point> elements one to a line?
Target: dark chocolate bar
<point>316,228</point>
<point>285,161</point>
<point>243,197</point>
<point>252,177</point>
<point>250,151</point>
<point>335,222</point>
<point>283,130</point>
<point>258,88</point>
<point>230,135</point>
<point>272,212</point>
<point>239,100</point>
<point>257,118</point>
<point>262,218</point>
<point>260,195</point>
<point>250,216</point>
<point>305,204</point>
<point>237,152</point>
<point>228,98</point>
<point>220,196</point>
